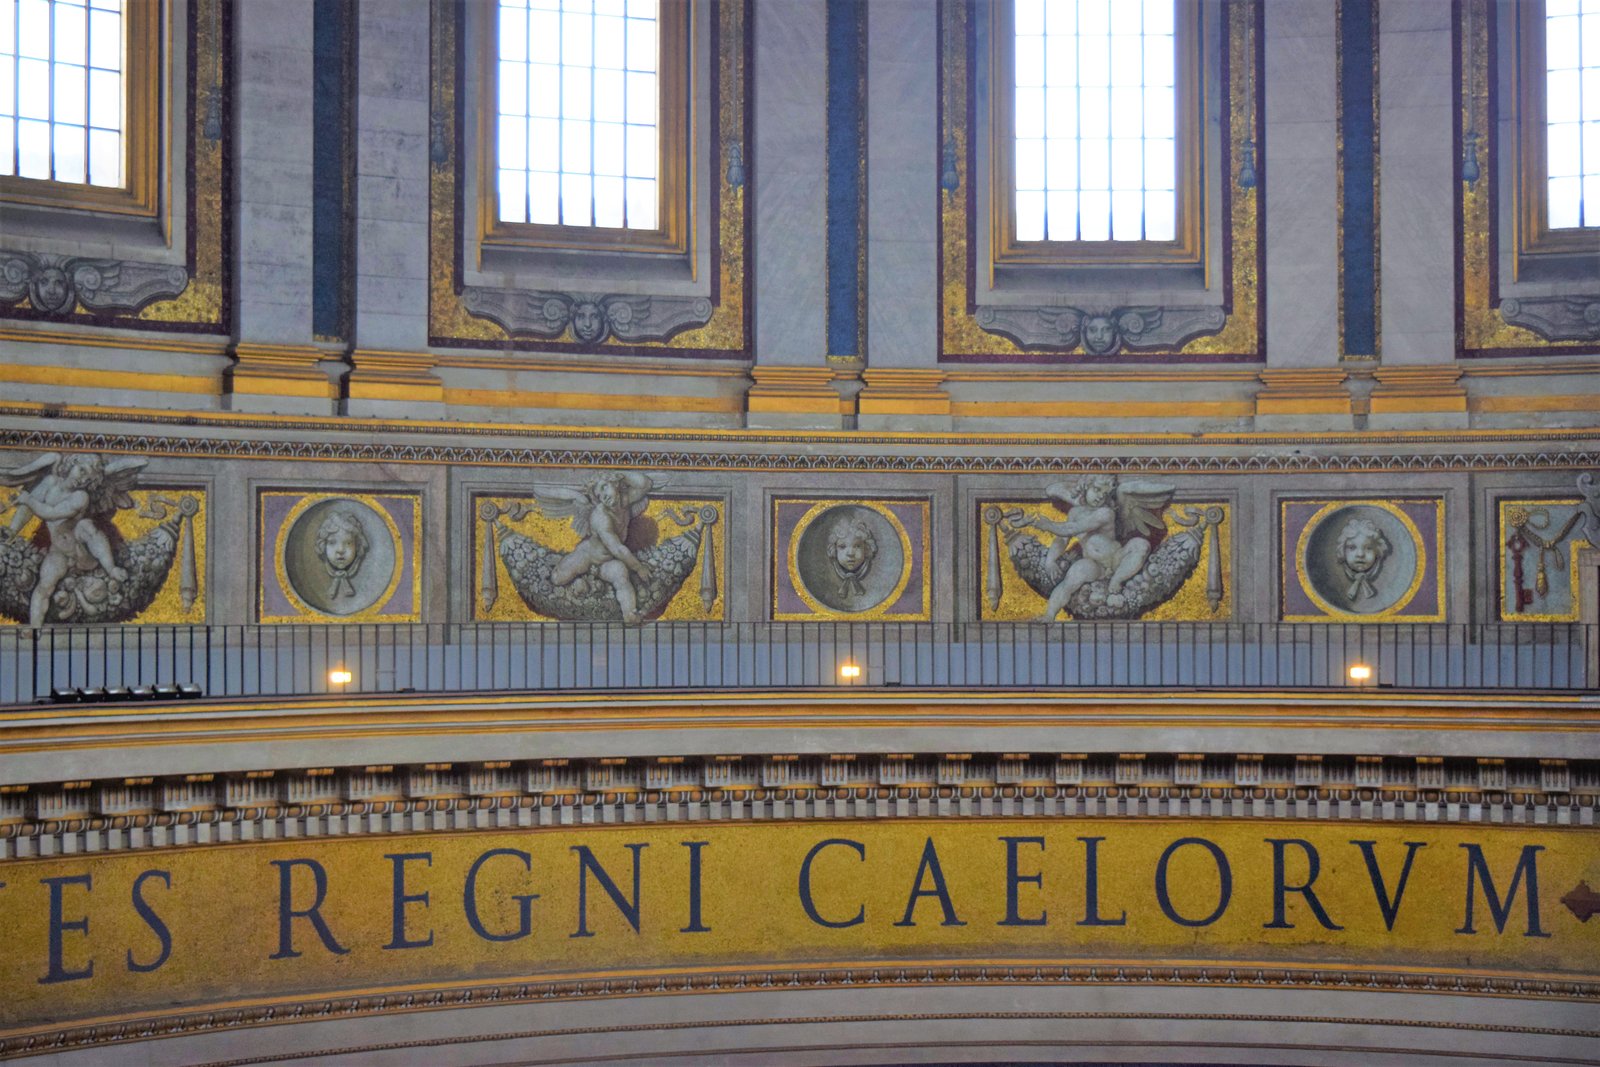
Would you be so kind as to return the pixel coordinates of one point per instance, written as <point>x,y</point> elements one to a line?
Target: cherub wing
<point>93,275</point>
<point>120,477</point>
<point>625,313</point>
<point>564,502</point>
<point>549,312</point>
<point>1139,507</point>
<point>1134,322</point>
<point>15,270</point>
<point>31,474</point>
<point>1067,323</point>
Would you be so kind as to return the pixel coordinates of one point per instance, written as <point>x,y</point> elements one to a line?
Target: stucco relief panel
<point>86,539</point>
<point>599,547</point>
<point>1363,560</point>
<point>339,557</point>
<point>840,559</point>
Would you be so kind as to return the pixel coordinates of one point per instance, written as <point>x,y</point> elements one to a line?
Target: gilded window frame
<point>676,179</point>
<point>1187,248</point>
<point>1534,236</point>
<point>144,134</point>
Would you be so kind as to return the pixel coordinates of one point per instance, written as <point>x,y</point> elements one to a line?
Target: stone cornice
<point>180,810</point>
<point>369,440</point>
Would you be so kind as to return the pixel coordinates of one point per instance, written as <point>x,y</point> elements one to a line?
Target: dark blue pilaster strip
<point>333,41</point>
<point>1357,86</point>
<point>846,194</point>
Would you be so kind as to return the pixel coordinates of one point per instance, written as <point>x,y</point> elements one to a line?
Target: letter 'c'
<point>805,883</point>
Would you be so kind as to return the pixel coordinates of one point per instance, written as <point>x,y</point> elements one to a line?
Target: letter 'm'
<point>1500,910</point>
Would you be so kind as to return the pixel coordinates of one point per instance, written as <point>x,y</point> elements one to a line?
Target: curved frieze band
<point>1273,454</point>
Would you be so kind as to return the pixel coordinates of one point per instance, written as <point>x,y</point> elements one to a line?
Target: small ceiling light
<point>339,676</point>
<point>1360,672</point>
<point>849,671</point>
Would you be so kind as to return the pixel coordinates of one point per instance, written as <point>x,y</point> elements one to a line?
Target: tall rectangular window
<point>1096,119</point>
<point>1572,113</point>
<point>589,124</point>
<point>77,101</point>
<point>1096,154</point>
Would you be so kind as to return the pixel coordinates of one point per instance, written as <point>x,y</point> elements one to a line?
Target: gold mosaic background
<point>221,906</point>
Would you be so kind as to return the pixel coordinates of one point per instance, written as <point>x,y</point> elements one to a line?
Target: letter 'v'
<point>1389,906</point>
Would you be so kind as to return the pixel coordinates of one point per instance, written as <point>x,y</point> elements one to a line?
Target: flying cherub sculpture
<point>602,512</point>
<point>72,495</point>
<point>1110,522</point>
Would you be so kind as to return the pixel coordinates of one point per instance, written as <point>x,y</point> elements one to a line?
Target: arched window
<point>589,132</point>
<point>78,122</point>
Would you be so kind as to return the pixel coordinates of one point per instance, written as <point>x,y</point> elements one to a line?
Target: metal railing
<point>252,660</point>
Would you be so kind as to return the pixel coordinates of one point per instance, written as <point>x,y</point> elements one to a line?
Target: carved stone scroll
<point>1101,331</point>
<point>56,285</point>
<point>1556,318</point>
<point>589,318</point>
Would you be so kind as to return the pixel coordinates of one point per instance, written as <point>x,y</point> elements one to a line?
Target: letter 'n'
<point>587,864</point>
<point>1500,910</point>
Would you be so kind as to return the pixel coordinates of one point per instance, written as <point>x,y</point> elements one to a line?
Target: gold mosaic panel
<point>1013,600</point>
<point>497,599</point>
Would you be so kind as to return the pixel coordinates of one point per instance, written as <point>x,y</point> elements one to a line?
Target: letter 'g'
<point>805,883</point>
<point>524,900</point>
